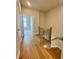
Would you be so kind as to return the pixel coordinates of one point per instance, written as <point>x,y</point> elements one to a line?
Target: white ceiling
<point>42,5</point>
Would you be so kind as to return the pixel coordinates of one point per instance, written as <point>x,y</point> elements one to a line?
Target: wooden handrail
<point>57,38</point>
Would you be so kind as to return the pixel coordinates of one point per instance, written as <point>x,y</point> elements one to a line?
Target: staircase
<point>54,52</point>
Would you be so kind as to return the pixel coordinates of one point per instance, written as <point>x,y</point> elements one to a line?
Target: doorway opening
<point>27,28</point>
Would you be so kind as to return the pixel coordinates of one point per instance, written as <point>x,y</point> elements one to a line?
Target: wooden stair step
<point>54,52</point>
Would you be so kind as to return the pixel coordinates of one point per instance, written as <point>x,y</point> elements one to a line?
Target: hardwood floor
<point>31,49</point>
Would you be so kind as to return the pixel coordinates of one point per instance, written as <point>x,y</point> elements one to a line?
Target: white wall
<point>35,14</point>
<point>42,19</point>
<point>54,18</point>
<point>18,33</point>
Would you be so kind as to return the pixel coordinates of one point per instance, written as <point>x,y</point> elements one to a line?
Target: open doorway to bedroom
<point>27,28</point>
